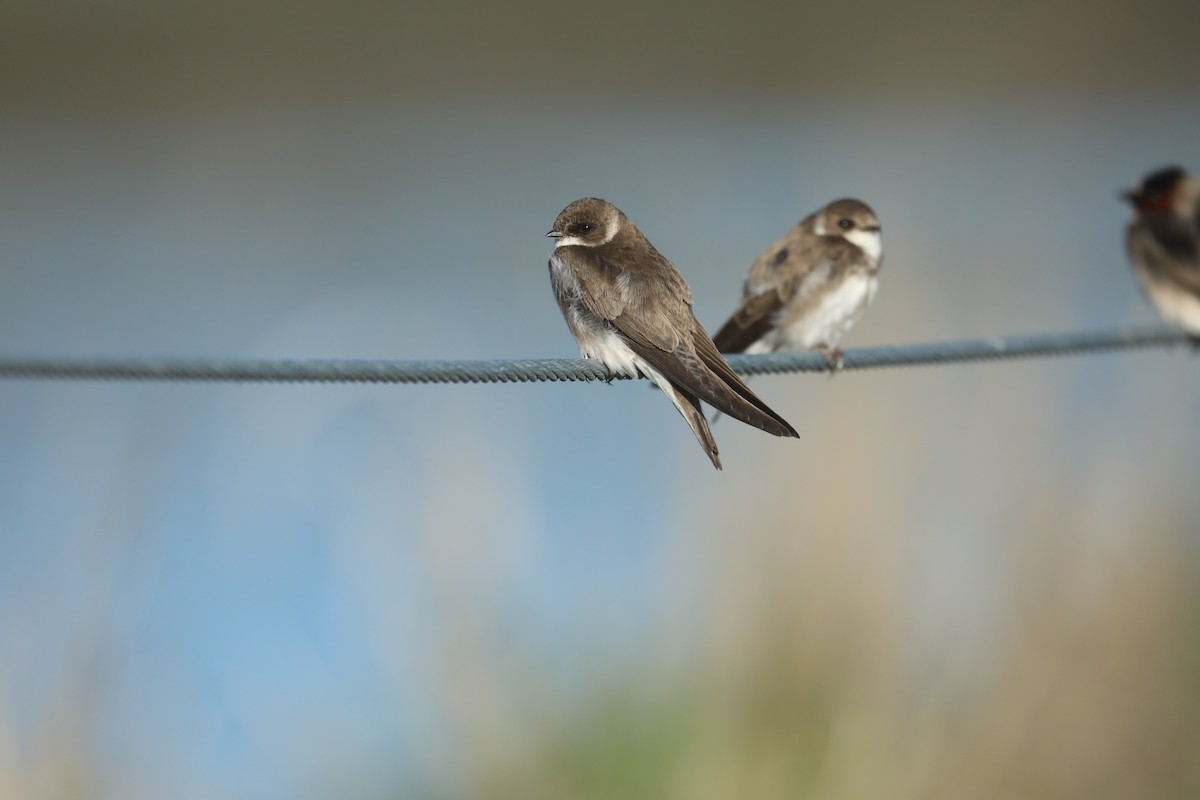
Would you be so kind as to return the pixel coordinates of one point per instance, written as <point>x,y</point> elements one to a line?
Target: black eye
<point>582,227</point>
<point>845,224</point>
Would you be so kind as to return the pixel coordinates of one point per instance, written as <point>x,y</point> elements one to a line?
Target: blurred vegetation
<point>812,686</point>
<point>1092,689</point>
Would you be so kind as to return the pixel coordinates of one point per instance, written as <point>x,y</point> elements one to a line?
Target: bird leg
<point>833,358</point>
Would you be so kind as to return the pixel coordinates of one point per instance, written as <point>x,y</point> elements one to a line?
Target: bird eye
<point>582,227</point>
<point>845,224</point>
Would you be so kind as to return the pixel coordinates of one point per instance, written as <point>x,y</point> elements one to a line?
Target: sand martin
<point>629,307</point>
<point>1163,240</point>
<point>809,288</point>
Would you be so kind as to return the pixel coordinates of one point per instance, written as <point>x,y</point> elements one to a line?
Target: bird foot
<point>833,359</point>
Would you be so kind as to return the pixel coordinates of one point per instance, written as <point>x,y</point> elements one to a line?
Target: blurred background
<point>969,581</point>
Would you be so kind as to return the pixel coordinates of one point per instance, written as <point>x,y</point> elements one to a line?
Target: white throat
<point>870,242</point>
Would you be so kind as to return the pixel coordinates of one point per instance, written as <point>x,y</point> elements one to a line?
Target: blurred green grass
<point>1093,696</point>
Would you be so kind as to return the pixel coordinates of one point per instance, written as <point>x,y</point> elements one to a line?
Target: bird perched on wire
<point>807,289</point>
<point>629,307</point>
<point>1163,241</point>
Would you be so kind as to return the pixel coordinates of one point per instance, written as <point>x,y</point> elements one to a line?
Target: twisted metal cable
<point>565,369</point>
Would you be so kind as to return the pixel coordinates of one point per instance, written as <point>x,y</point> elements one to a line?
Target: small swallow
<point>806,290</point>
<point>630,308</point>
<point>1163,240</point>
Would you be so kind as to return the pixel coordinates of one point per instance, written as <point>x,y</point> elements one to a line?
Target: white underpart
<point>610,349</point>
<point>825,324</point>
<point>606,346</point>
<point>598,340</point>
<point>1177,306</point>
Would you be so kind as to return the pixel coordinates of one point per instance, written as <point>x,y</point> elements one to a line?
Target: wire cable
<point>564,369</point>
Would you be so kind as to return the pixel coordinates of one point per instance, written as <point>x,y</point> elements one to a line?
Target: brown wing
<point>749,323</point>
<point>651,300</point>
<point>825,260</point>
<point>771,281</point>
<point>693,375</point>
<point>649,303</point>
<point>706,350</point>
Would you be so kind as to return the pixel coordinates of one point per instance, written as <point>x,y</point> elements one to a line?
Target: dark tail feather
<point>717,413</point>
<point>695,417</point>
<point>716,385</point>
<point>689,406</point>
<point>753,411</point>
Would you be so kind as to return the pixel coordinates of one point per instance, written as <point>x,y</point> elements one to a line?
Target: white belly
<point>1178,307</point>
<point>824,323</point>
<point>597,338</point>
<point>607,347</point>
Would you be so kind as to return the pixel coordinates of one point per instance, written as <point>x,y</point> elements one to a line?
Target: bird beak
<point>555,234</point>
<point>1128,196</point>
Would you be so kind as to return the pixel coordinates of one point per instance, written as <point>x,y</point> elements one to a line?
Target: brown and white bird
<point>629,307</point>
<point>806,290</point>
<point>1163,240</point>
